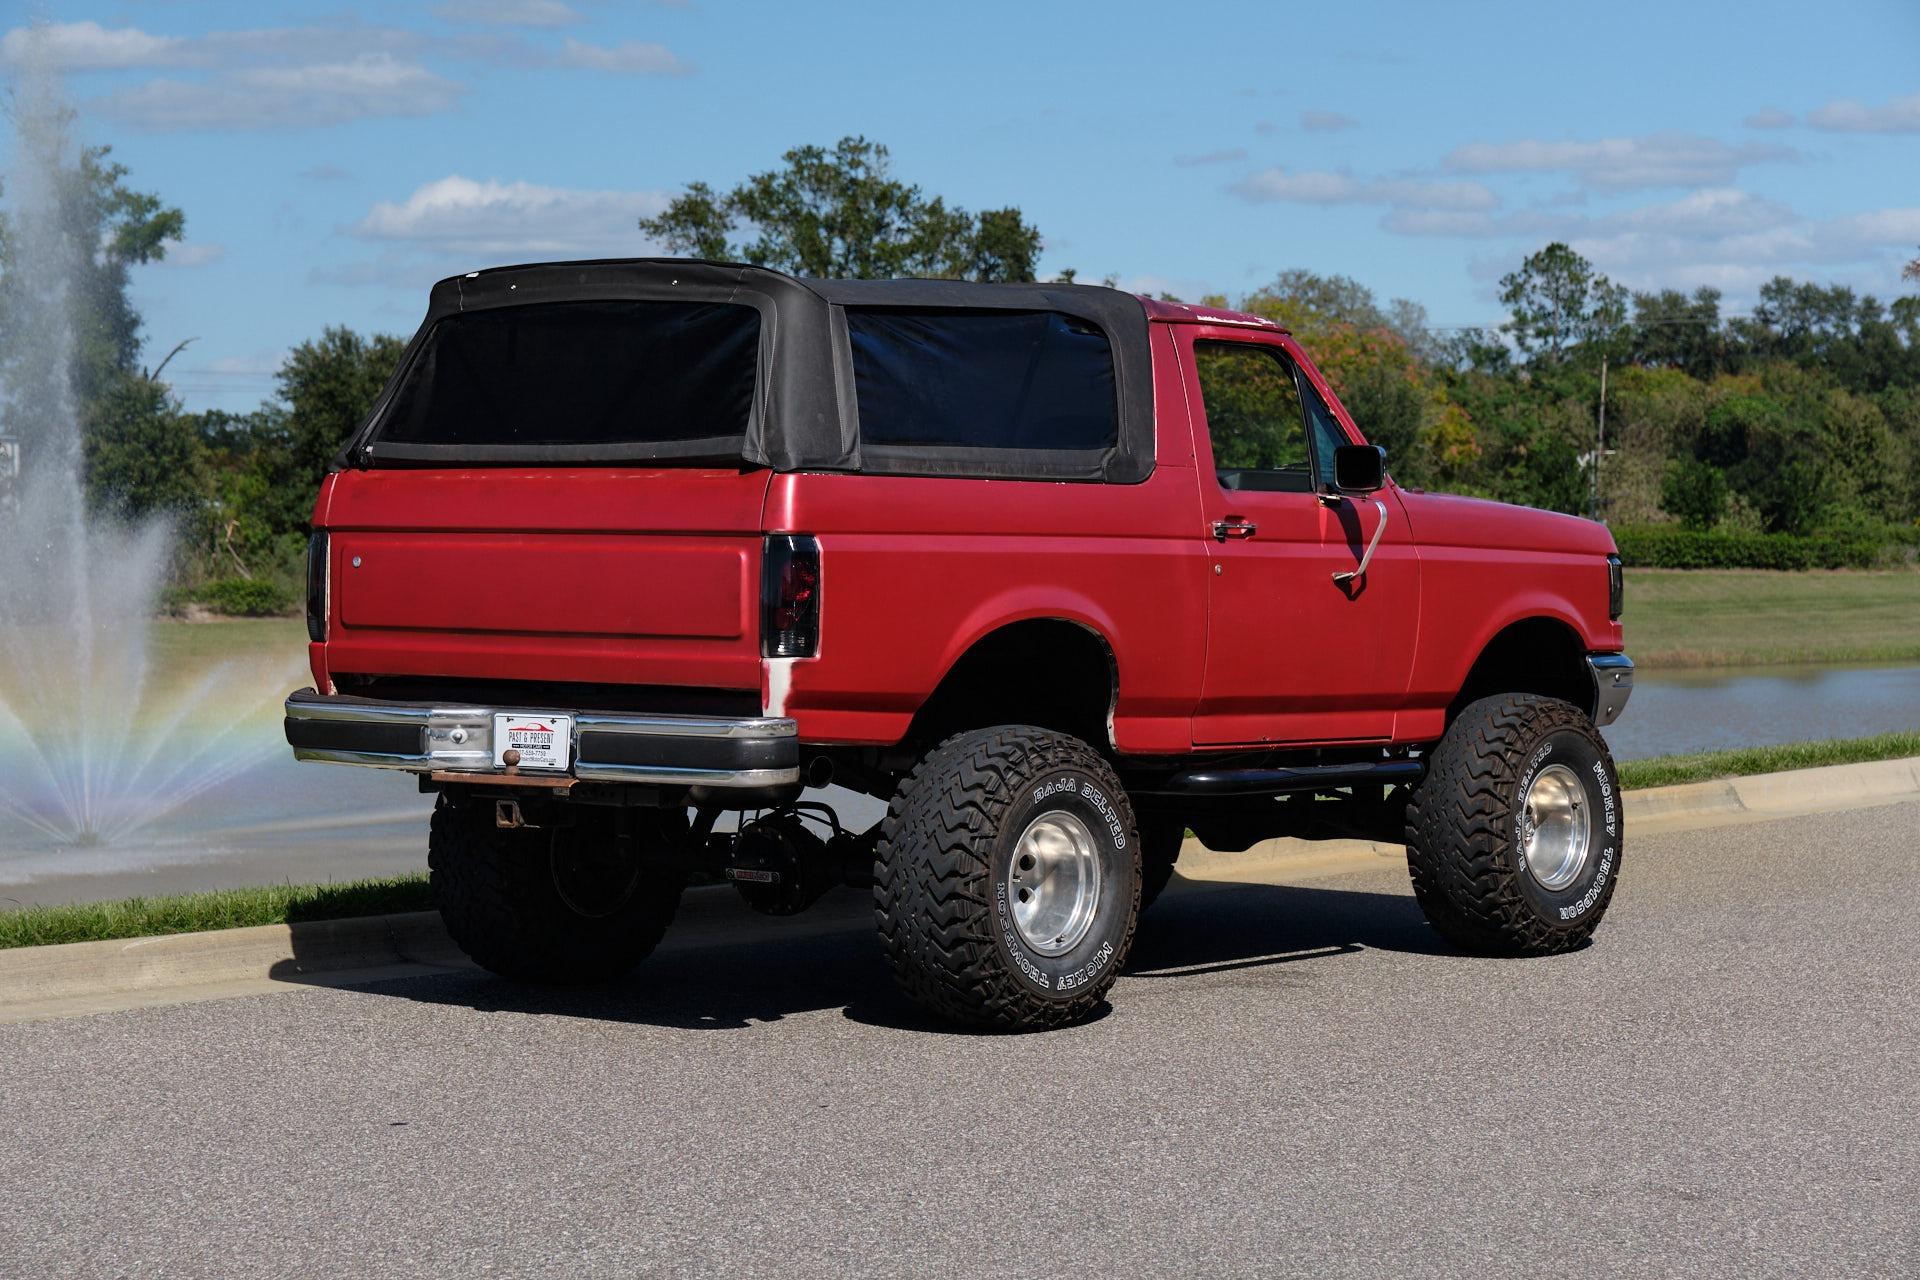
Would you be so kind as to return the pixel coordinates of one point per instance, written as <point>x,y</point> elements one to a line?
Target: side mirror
<point>1359,468</point>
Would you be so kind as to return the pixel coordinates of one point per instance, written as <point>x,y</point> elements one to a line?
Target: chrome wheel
<point>1555,828</point>
<point>1054,885</point>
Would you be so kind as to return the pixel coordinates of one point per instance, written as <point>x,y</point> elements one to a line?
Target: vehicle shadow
<point>759,972</point>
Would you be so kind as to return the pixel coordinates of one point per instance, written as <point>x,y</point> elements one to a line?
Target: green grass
<point>1663,771</point>
<point>1744,617</point>
<point>224,909</point>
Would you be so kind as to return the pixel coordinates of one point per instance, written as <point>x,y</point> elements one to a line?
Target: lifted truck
<point>1057,572</point>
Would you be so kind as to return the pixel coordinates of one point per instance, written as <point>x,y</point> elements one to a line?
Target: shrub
<point>1666,547</point>
<point>246,597</point>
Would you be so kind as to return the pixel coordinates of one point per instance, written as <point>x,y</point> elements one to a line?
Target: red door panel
<point>1293,655</point>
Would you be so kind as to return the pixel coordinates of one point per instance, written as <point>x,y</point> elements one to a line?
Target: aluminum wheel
<point>1555,828</point>
<point>1055,883</point>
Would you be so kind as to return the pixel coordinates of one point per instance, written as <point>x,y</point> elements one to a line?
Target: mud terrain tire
<point>1468,826</point>
<point>551,904</point>
<point>986,817</point>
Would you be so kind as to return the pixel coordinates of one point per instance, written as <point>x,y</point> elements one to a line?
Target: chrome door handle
<point>1234,527</point>
<point>1367,557</point>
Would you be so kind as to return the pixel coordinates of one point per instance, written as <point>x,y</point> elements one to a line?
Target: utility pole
<point>1600,439</point>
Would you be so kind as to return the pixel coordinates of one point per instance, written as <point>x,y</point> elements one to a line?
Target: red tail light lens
<point>790,597</point>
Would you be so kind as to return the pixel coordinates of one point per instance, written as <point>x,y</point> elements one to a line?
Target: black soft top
<point>805,416</point>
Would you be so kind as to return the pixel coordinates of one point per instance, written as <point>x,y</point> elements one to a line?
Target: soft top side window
<point>961,382</point>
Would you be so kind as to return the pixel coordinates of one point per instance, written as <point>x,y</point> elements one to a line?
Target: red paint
<point>651,576</point>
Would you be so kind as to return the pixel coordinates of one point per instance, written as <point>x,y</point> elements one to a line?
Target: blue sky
<point>333,162</point>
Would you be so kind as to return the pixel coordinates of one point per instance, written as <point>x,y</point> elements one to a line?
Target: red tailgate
<point>589,575</point>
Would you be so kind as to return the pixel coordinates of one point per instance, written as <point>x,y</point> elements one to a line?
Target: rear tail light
<point>790,597</point>
<point>1616,589</point>
<point>317,586</point>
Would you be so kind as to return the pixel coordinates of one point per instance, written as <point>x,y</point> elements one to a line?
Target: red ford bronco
<point>1057,572</point>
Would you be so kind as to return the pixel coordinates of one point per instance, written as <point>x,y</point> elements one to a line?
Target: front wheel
<point>1007,879</point>
<point>1514,836</point>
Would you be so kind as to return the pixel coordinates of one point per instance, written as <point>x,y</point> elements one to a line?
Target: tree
<point>1911,271</point>
<point>841,214</point>
<point>1695,493</point>
<point>115,229</point>
<point>1557,303</point>
<point>143,456</point>
<point>105,228</point>
<point>329,386</point>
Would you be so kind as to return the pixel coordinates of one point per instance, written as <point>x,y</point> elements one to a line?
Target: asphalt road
<point>1293,1079</point>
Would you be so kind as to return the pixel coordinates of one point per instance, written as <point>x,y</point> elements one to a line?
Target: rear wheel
<point>1514,837</point>
<point>583,902</point>
<point>1007,879</point>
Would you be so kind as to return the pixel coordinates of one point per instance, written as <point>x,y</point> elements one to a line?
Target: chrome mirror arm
<point>1366,558</point>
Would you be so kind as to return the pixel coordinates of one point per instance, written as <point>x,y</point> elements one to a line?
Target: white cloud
<point>1618,164</point>
<point>319,74</point>
<point>1327,121</point>
<point>1902,115</point>
<point>1724,237</point>
<point>266,98</point>
<point>1769,118</point>
<point>192,253</point>
<point>1225,156</point>
<point>88,46</point>
<point>509,13</point>
<point>493,219</point>
<point>1322,187</point>
<point>633,57</point>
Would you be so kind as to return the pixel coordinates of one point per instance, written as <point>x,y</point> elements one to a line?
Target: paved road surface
<point>1293,1079</point>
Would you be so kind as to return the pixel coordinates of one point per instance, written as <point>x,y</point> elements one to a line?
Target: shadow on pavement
<point>760,976</point>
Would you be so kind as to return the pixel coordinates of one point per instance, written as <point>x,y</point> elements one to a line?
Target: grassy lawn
<point>1664,771</point>
<point>225,909</point>
<point>1741,617</point>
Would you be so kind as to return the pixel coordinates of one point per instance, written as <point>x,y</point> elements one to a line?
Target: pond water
<point>1684,711</point>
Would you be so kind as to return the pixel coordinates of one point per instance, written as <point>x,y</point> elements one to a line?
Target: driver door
<point>1295,654</point>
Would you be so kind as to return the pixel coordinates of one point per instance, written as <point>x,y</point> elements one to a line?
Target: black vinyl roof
<point>805,416</point>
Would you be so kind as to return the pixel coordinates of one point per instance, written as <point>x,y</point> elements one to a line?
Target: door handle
<point>1367,557</point>
<point>1234,527</point>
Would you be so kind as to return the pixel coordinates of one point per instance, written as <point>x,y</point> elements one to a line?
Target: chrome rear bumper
<point>692,751</point>
<point>1612,685</point>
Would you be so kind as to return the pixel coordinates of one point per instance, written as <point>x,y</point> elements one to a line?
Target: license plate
<point>544,742</point>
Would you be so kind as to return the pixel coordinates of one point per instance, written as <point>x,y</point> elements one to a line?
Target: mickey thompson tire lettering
<point>1463,842</point>
<point>940,887</point>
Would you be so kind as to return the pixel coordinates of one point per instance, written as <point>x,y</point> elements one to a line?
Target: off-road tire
<point>1160,841</point>
<point>1464,846</point>
<point>500,894</point>
<point>945,860</point>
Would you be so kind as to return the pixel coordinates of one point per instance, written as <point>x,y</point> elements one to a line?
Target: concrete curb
<point>75,970</point>
<point>88,976</point>
<point>1759,796</point>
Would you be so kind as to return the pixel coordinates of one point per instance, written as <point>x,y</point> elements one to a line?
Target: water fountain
<point>93,750</point>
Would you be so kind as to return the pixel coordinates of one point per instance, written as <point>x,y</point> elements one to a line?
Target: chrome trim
<point>1366,558</point>
<point>1612,685</point>
<point>688,726</point>
<point>474,752</point>
<point>665,776</point>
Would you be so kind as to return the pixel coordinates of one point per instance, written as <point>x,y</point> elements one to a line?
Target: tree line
<point>1799,418</point>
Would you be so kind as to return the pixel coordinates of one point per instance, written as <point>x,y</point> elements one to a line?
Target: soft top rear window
<point>619,379</point>
<point>960,381</point>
